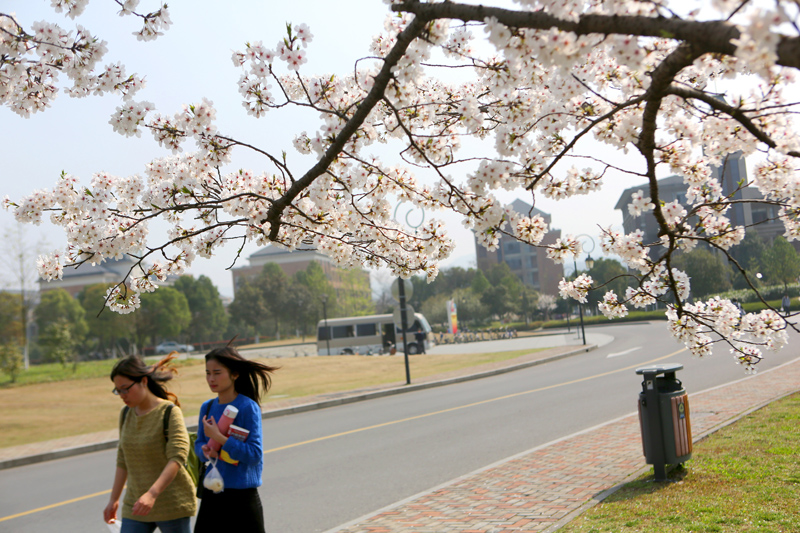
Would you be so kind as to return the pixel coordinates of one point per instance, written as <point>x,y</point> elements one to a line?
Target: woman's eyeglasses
<point>123,390</point>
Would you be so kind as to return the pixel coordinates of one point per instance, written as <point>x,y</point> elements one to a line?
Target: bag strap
<point>122,418</point>
<point>167,411</point>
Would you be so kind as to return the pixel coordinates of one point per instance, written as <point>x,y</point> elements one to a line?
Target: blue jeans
<point>179,525</point>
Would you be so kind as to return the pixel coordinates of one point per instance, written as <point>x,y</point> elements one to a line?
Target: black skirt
<point>237,510</point>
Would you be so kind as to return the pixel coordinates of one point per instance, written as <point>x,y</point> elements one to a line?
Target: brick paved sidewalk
<point>541,489</point>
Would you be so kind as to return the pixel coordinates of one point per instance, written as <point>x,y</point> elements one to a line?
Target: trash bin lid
<point>666,368</point>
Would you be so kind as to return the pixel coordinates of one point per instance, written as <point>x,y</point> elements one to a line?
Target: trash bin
<point>664,418</point>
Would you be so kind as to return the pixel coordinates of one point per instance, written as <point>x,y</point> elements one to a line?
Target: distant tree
<point>11,360</point>
<point>381,281</point>
<point>501,274</point>
<point>19,273</point>
<point>709,272</point>
<point>249,312</point>
<point>435,308</point>
<point>209,318</point>
<point>58,344</point>
<point>261,301</point>
<point>479,282</point>
<point>355,298</point>
<point>781,263</point>
<point>164,314</point>
<point>608,275</point>
<point>750,256</point>
<point>302,309</point>
<point>108,331</point>
<point>497,300</point>
<point>469,307</point>
<point>11,330</point>
<point>314,278</point>
<point>273,283</point>
<point>56,306</point>
<point>526,302</point>
<point>11,335</point>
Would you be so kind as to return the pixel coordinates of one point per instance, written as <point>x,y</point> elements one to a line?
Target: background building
<point>529,263</point>
<point>74,280</point>
<point>756,216</point>
<point>353,281</point>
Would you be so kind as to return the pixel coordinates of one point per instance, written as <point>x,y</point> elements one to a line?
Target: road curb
<point>302,408</point>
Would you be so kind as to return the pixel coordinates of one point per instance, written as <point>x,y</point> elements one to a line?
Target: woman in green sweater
<point>153,446</point>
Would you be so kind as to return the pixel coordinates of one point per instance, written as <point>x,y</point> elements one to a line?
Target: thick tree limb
<point>710,36</point>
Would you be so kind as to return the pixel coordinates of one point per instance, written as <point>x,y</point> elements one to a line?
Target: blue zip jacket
<point>246,474</point>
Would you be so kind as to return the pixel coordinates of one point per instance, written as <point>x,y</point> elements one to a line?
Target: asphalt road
<point>327,467</point>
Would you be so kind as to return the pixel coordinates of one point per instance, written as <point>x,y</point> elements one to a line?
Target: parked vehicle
<point>172,346</point>
<point>367,335</point>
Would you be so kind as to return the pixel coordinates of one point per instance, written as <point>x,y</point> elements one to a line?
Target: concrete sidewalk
<point>546,487</point>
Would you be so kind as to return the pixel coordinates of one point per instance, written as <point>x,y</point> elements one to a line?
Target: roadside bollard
<point>664,418</point>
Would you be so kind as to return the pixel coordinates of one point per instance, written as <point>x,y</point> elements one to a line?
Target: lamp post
<point>324,298</point>
<point>401,291</point>
<point>589,264</point>
<point>401,288</point>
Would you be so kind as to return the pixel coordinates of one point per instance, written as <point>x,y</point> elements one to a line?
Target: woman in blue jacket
<point>240,383</point>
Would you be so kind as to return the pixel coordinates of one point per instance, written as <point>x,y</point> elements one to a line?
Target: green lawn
<point>744,478</point>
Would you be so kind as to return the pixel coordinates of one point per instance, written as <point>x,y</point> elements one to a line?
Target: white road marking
<point>623,353</point>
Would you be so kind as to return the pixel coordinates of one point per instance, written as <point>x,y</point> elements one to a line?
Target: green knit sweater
<point>143,452</point>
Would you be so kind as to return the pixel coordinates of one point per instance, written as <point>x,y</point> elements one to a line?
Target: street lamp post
<point>401,292</point>
<point>324,298</point>
<point>589,264</point>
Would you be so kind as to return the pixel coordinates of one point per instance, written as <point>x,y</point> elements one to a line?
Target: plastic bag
<point>115,526</point>
<point>213,479</point>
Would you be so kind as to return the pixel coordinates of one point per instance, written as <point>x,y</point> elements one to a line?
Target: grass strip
<point>744,478</point>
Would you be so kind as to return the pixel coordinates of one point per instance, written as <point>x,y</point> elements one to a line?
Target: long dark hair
<point>133,368</point>
<point>253,378</point>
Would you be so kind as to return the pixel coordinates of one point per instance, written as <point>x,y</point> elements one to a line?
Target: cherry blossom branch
<point>734,112</point>
<point>579,135</point>
<point>404,40</point>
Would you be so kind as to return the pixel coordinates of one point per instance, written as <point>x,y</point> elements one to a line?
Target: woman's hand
<point>208,452</point>
<point>212,431</point>
<point>110,512</point>
<point>144,505</point>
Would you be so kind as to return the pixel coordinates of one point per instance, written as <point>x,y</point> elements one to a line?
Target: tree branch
<point>735,113</point>
<point>711,36</point>
<point>404,40</point>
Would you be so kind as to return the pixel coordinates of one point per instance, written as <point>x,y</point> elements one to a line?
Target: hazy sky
<point>192,61</point>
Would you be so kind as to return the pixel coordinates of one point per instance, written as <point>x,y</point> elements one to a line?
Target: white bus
<point>367,335</point>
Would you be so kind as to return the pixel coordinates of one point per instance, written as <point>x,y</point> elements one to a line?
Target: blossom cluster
<point>33,60</point>
<point>746,334</point>
<point>577,289</point>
